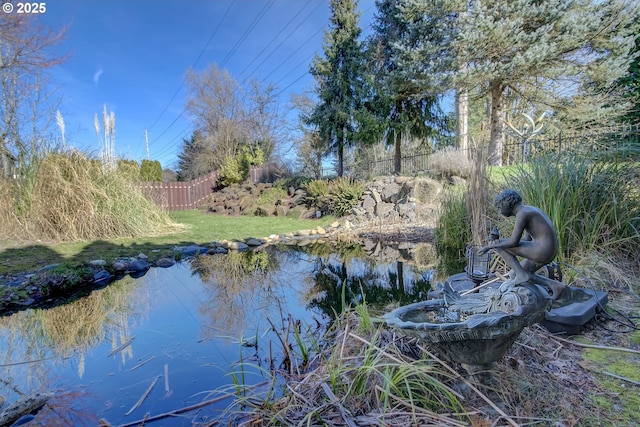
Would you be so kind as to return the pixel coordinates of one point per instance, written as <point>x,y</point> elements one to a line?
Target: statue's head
<point>506,201</point>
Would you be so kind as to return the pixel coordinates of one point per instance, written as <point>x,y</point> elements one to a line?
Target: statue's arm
<point>514,240</point>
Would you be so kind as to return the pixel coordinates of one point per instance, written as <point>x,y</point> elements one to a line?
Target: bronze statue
<point>538,247</point>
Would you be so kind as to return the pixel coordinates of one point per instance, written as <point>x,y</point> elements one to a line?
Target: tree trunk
<point>397,167</point>
<point>462,110</point>
<point>340,154</point>
<point>494,156</point>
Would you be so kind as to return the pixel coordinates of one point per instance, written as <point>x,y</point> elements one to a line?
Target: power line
<point>168,146</point>
<point>273,39</point>
<point>194,64</point>
<point>246,33</point>
<point>287,37</point>
<point>244,36</point>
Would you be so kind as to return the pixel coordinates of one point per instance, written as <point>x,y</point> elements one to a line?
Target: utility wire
<point>246,33</point>
<point>202,51</point>
<point>244,36</point>
<point>273,39</point>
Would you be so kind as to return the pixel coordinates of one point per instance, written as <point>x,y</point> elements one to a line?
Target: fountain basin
<point>471,338</point>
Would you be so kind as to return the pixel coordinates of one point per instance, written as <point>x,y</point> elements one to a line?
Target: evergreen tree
<point>195,159</point>
<point>406,99</point>
<point>150,170</point>
<point>554,46</point>
<point>339,83</point>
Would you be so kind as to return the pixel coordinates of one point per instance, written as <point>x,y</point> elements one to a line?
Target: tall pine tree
<point>406,100</point>
<point>339,83</point>
<point>554,46</point>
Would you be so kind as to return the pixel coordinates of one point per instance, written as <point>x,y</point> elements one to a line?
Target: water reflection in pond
<point>185,334</point>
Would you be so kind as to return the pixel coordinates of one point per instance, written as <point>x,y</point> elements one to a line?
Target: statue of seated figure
<point>538,246</point>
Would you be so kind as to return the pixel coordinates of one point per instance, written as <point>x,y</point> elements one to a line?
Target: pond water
<point>180,336</point>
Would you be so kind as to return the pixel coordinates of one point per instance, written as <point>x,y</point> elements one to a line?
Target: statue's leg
<point>520,276</point>
<point>554,286</point>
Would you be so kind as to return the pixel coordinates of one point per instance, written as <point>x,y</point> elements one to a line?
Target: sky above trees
<point>132,56</point>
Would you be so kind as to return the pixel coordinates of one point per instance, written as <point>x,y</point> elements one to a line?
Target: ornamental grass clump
<point>335,197</point>
<point>594,204</point>
<point>344,194</point>
<point>69,196</point>
<point>450,161</point>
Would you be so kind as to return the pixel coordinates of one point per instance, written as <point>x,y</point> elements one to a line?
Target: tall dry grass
<point>450,161</point>
<point>477,198</point>
<point>594,204</point>
<point>69,196</point>
<point>365,375</point>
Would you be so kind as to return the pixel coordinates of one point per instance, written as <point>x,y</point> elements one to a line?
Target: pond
<point>195,332</point>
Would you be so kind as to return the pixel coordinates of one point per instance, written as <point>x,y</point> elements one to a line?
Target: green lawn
<point>196,227</point>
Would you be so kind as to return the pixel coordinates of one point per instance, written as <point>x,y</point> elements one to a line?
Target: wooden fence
<point>183,195</point>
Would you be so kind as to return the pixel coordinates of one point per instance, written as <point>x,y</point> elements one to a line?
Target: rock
<point>138,268</point>
<point>303,233</point>
<point>368,204</point>
<point>265,210</point>
<point>193,250</point>
<point>406,210</point>
<point>376,196</point>
<point>101,277</point>
<point>254,242</point>
<point>390,193</point>
<point>282,211</point>
<point>98,262</point>
<point>426,189</point>
<point>48,267</point>
<point>238,246</point>
<point>120,265</point>
<point>142,256</point>
<point>165,262</point>
<point>382,210</point>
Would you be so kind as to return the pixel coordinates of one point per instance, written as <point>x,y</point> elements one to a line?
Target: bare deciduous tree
<point>26,51</point>
<point>228,118</point>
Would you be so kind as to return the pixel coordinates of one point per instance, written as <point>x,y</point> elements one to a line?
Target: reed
<point>66,195</point>
<point>363,375</point>
<point>593,204</point>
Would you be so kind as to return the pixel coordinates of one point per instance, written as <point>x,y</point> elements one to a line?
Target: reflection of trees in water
<point>63,331</point>
<point>237,284</point>
<point>240,283</point>
<point>349,275</point>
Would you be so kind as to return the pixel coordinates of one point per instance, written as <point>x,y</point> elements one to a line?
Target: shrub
<point>67,196</point>
<point>344,194</point>
<point>271,195</point>
<point>317,188</point>
<point>334,197</point>
<point>448,162</point>
<point>150,170</point>
<point>235,169</point>
<point>232,172</point>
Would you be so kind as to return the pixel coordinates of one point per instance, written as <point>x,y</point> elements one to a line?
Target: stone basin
<point>474,339</point>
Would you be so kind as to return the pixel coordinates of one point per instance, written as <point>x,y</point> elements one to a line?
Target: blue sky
<point>132,56</point>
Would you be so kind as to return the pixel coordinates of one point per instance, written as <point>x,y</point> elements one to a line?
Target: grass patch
<point>196,227</point>
<point>616,373</point>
